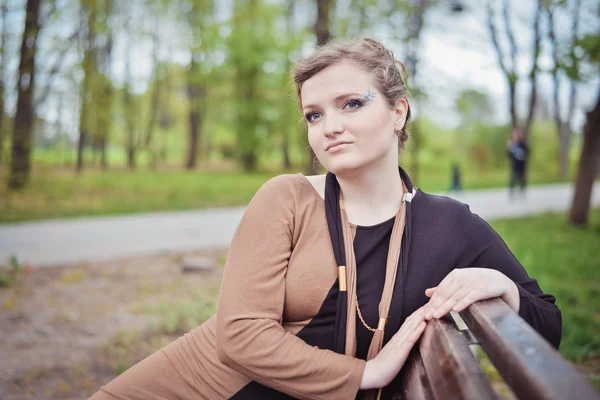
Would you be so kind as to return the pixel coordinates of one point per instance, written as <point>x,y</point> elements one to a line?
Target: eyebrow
<point>338,98</point>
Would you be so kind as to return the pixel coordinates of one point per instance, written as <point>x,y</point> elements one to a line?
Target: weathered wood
<point>528,363</point>
<point>415,384</point>
<point>453,371</point>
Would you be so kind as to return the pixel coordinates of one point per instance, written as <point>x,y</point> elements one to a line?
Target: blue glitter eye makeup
<point>368,96</point>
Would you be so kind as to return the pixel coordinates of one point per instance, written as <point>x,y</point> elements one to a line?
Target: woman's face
<point>350,124</point>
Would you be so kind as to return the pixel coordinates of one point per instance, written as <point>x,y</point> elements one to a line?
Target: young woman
<point>331,279</point>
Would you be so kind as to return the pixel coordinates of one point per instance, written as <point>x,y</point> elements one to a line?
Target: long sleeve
<point>536,307</point>
<point>250,337</point>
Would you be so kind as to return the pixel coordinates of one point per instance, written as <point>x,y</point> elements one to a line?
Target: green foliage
<point>590,44</point>
<point>474,106</point>
<point>10,275</point>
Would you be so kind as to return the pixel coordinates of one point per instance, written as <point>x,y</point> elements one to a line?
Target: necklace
<point>390,274</point>
<point>363,320</point>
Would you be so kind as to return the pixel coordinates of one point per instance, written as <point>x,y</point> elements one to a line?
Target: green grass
<point>58,192</point>
<point>565,261</point>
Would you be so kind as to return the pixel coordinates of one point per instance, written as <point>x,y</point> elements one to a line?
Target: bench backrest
<point>442,366</point>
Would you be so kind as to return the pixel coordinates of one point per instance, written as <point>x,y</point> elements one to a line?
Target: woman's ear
<point>400,113</point>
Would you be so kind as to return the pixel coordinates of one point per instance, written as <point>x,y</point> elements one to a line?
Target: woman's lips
<point>337,146</point>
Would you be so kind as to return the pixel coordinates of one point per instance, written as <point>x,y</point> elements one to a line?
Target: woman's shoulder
<point>290,187</point>
<point>440,206</point>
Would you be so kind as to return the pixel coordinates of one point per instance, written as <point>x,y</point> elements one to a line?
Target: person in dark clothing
<point>518,152</point>
<point>331,279</point>
<point>455,179</point>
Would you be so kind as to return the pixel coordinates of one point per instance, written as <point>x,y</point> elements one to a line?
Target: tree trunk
<point>130,127</point>
<point>20,167</point>
<point>564,140</point>
<point>323,34</point>
<point>285,149</point>
<point>1,119</point>
<point>563,128</point>
<point>154,102</point>
<point>286,115</point>
<point>3,61</point>
<point>86,91</point>
<point>249,161</point>
<point>589,163</point>
<point>196,93</point>
<point>103,158</point>
<point>533,71</point>
<point>415,24</point>
<point>195,121</point>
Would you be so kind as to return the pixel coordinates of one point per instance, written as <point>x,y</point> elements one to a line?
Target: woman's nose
<point>332,127</point>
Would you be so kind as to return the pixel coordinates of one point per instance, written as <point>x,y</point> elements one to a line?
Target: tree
<point>415,11</point>
<point>3,61</point>
<point>89,66</point>
<point>20,166</point>
<point>323,35</point>
<point>509,67</point>
<point>102,88</point>
<point>563,126</point>
<point>202,29</point>
<point>155,94</point>
<point>589,161</point>
<point>130,106</point>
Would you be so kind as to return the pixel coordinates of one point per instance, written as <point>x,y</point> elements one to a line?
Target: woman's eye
<point>310,117</point>
<point>353,104</point>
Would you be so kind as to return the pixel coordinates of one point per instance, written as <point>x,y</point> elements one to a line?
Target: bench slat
<point>529,364</point>
<point>414,383</point>
<point>453,371</point>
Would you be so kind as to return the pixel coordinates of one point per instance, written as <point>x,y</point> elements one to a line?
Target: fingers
<point>429,292</point>
<point>410,334</point>
<point>416,334</point>
<point>451,302</point>
<point>469,299</point>
<point>442,294</point>
<point>410,325</point>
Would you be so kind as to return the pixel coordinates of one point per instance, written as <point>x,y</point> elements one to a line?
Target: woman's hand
<point>462,287</point>
<point>381,370</point>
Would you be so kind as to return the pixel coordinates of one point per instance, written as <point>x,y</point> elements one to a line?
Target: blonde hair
<point>373,57</point>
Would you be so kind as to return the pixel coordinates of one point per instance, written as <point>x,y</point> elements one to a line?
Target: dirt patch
<point>67,330</point>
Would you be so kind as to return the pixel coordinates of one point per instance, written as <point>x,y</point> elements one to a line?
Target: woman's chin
<point>342,165</point>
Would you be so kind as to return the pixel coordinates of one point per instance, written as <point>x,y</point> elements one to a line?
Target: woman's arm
<point>499,274</point>
<point>250,337</point>
<point>535,306</point>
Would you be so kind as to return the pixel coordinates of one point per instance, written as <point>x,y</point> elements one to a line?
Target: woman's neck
<point>372,195</point>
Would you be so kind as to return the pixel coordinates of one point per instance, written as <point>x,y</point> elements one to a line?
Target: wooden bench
<point>442,366</point>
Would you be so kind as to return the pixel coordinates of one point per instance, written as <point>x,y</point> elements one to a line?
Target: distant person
<point>455,179</point>
<point>309,306</point>
<point>518,152</point>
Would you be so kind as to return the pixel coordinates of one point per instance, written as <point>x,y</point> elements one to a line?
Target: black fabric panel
<point>334,223</point>
<point>255,390</point>
<point>371,245</point>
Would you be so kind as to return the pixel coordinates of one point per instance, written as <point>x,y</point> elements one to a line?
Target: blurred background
<point>119,107</point>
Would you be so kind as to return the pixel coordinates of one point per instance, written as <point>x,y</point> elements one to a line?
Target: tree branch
<point>574,39</point>
<point>41,98</point>
<point>534,67</point>
<point>511,38</point>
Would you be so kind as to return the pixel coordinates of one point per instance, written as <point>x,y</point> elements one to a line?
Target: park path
<point>69,241</point>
